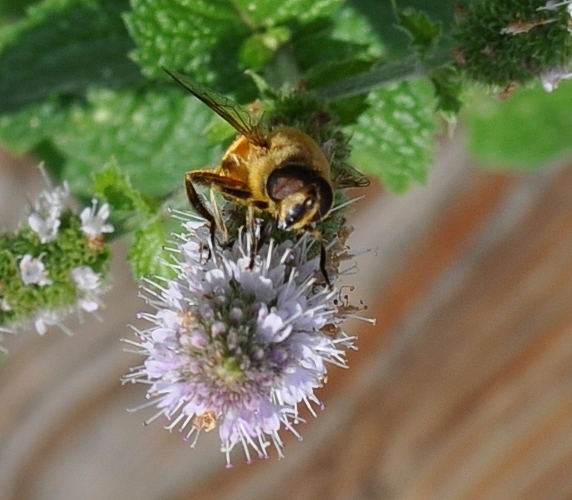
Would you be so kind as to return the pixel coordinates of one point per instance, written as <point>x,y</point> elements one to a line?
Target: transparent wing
<point>240,118</point>
<point>349,177</point>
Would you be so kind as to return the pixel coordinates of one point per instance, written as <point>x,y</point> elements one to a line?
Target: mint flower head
<point>238,342</point>
<point>506,43</point>
<point>50,266</point>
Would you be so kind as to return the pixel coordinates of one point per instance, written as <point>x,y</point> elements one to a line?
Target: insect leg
<point>231,188</point>
<point>323,258</point>
<point>323,253</point>
<point>198,205</point>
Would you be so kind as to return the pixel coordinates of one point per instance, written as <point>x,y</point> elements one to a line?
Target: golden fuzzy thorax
<point>254,164</point>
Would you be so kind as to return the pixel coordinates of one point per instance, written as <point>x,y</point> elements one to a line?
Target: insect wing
<point>349,177</point>
<point>241,119</point>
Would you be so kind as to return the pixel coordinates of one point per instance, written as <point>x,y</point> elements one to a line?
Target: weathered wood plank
<point>462,391</point>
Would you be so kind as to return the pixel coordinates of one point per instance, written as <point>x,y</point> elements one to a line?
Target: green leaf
<point>349,109</point>
<point>351,25</point>
<point>260,48</point>
<point>155,136</point>
<point>423,32</point>
<point>325,74</point>
<point>24,130</point>
<point>270,13</point>
<point>526,131</point>
<point>344,37</point>
<point>448,85</point>
<point>381,17</point>
<point>147,253</point>
<point>64,47</point>
<point>333,50</point>
<point>200,38</point>
<point>12,9</point>
<point>394,138</point>
<point>115,188</point>
<point>213,42</point>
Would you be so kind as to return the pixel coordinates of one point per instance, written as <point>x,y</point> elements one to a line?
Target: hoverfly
<point>280,170</point>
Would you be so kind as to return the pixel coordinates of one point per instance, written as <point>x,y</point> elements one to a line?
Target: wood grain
<point>463,389</point>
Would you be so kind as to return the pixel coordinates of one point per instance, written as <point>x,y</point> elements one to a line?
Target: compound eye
<point>295,213</point>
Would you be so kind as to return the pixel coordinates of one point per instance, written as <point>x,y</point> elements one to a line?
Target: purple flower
<point>237,343</point>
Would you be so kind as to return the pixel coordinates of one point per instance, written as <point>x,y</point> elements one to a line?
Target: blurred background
<point>463,389</point>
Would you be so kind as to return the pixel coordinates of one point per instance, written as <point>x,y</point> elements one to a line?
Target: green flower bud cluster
<point>505,43</point>
<point>54,264</point>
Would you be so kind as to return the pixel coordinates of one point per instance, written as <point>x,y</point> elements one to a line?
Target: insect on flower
<point>280,170</point>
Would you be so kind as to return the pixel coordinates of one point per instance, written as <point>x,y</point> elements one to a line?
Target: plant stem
<point>283,69</point>
<point>405,69</point>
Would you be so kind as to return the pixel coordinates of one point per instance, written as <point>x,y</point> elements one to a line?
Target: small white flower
<point>554,5</point>
<point>93,223</point>
<point>89,284</point>
<point>77,289</point>
<point>33,271</point>
<point>552,78</point>
<point>45,217</point>
<point>45,319</point>
<point>54,201</point>
<point>45,227</point>
<point>89,303</point>
<point>85,278</point>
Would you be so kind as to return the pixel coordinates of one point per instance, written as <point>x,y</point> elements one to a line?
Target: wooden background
<point>462,391</point>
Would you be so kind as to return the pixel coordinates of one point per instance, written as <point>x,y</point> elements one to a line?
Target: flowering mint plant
<point>55,264</point>
<point>514,42</point>
<point>239,344</point>
<point>242,333</point>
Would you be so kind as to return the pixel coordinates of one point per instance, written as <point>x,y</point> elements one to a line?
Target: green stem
<point>283,69</point>
<point>405,69</point>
